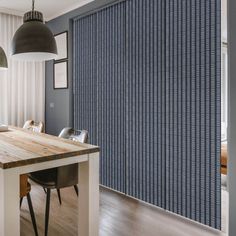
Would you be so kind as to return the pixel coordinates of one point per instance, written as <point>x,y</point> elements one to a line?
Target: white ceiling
<point>49,8</point>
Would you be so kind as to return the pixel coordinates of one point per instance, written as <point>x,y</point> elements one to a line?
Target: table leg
<point>9,203</point>
<point>88,224</point>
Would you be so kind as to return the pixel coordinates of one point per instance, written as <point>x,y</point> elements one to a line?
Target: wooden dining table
<point>23,151</point>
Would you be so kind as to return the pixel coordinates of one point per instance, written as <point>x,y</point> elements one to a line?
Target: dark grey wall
<point>60,114</point>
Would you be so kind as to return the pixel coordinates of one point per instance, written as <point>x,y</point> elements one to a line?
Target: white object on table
<point>3,128</point>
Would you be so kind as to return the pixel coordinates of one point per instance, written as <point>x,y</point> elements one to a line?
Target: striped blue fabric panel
<point>173,81</point>
<point>99,89</point>
<point>85,74</point>
<point>147,87</point>
<point>111,98</point>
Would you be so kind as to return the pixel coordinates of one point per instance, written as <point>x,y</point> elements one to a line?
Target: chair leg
<point>76,190</point>
<point>21,200</point>
<point>32,214</point>
<point>59,195</point>
<point>47,211</point>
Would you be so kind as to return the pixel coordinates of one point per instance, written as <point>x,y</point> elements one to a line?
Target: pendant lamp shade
<point>34,41</point>
<point>3,60</point>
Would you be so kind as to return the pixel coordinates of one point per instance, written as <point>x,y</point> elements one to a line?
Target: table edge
<point>53,157</point>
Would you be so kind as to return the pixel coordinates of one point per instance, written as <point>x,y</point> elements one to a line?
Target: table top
<point>20,147</point>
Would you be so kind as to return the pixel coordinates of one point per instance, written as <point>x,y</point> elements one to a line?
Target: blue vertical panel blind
<point>147,87</point>
<point>86,83</point>
<point>99,89</point>
<point>111,96</point>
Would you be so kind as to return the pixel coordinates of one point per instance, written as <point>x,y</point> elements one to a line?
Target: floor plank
<point>119,216</point>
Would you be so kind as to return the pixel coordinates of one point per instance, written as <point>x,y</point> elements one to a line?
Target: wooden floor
<point>119,216</point>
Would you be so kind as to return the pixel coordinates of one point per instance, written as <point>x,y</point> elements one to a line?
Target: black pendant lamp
<point>3,60</point>
<point>34,41</point>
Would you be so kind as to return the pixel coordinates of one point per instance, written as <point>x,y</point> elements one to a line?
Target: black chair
<point>25,188</point>
<point>61,177</point>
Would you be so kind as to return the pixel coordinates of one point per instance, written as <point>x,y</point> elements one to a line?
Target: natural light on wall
<point>224,88</point>
<point>23,85</point>
<point>224,74</point>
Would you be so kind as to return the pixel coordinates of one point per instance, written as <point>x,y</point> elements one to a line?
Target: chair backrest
<point>63,176</point>
<point>75,135</point>
<point>33,126</point>
<point>68,175</point>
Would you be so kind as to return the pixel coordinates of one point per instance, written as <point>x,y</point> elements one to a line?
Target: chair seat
<point>45,178</point>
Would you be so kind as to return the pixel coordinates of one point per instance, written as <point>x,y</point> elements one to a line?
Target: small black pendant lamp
<point>3,60</point>
<point>34,41</point>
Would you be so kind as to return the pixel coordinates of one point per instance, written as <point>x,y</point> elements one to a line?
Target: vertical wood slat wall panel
<point>147,87</point>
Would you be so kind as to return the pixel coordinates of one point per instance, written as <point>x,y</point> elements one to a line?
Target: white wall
<point>224,20</point>
<point>232,116</point>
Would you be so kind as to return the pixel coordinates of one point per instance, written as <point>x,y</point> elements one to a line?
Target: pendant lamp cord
<point>33,5</point>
